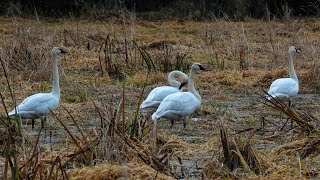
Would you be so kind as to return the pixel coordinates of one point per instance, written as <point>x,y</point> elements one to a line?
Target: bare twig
<point>77,125</point>
<point>67,130</point>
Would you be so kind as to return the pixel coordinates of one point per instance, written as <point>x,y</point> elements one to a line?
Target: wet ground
<point>201,135</point>
<point>240,113</point>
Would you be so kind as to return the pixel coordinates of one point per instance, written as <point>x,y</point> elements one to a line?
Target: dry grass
<point>104,56</point>
<point>108,171</point>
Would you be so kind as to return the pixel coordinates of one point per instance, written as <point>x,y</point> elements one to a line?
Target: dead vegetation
<point>307,124</point>
<point>241,155</point>
<point>97,131</point>
<point>109,171</point>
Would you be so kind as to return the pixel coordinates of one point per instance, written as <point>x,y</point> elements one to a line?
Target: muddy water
<point>241,112</point>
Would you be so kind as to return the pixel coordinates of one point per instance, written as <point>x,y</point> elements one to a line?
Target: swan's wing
<point>285,87</point>
<point>183,103</point>
<point>38,104</point>
<point>157,95</point>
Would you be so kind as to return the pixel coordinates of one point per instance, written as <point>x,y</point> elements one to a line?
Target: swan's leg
<point>290,105</point>
<point>172,122</point>
<point>32,124</point>
<point>285,123</point>
<point>185,120</point>
<point>43,120</point>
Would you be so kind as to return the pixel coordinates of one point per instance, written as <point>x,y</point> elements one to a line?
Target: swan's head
<point>196,67</point>
<point>293,50</point>
<point>58,50</point>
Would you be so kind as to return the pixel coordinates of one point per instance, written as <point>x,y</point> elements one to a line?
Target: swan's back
<point>177,105</point>
<point>284,88</point>
<point>157,95</point>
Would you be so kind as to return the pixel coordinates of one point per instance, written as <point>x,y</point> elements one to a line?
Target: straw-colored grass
<point>108,171</point>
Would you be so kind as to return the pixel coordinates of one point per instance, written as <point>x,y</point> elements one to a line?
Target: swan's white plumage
<point>176,106</point>
<point>180,104</point>
<point>38,105</point>
<point>155,97</point>
<point>286,88</point>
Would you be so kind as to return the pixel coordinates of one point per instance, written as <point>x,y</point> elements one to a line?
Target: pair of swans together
<point>170,106</point>
<point>170,102</point>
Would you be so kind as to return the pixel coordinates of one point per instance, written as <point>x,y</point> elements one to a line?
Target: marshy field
<point>97,131</point>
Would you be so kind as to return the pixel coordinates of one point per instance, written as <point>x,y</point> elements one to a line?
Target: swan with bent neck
<point>286,88</point>
<point>180,104</point>
<point>159,93</point>
<point>38,105</point>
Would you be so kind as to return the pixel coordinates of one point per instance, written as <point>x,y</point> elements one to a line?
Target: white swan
<point>180,104</point>
<point>38,105</point>
<point>159,93</point>
<point>286,88</point>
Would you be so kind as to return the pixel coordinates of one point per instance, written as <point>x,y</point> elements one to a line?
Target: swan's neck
<point>292,72</point>
<point>191,87</point>
<point>55,75</point>
<point>172,75</point>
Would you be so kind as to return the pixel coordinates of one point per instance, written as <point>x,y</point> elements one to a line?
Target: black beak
<point>298,51</point>
<point>202,68</point>
<point>63,50</point>
<point>182,84</point>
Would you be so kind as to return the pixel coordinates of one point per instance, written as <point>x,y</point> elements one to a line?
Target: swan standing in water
<point>286,88</point>
<point>38,105</point>
<point>180,104</point>
<point>159,93</point>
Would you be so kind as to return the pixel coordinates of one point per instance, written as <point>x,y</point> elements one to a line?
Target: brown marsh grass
<point>97,133</point>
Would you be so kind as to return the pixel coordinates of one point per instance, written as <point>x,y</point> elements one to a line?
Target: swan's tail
<point>145,105</point>
<point>154,117</point>
<point>142,106</point>
<point>270,95</point>
<point>267,97</point>
<point>12,113</point>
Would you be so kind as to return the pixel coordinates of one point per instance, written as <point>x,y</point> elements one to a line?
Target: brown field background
<point>242,58</point>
